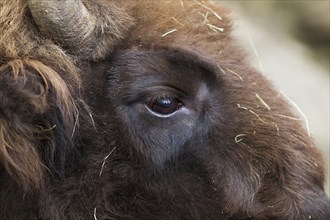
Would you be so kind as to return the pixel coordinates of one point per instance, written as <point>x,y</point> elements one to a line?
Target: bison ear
<point>32,104</point>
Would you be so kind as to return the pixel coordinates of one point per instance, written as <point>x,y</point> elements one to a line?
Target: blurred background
<point>289,42</point>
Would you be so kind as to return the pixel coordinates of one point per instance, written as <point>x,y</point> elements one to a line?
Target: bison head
<point>108,113</point>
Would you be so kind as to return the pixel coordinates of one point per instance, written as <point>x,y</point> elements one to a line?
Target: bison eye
<point>164,106</point>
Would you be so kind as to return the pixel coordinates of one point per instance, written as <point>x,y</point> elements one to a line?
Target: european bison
<point>138,109</point>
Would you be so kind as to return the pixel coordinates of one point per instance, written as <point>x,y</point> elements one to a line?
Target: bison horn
<point>67,22</point>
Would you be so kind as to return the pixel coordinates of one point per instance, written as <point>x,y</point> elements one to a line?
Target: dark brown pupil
<point>164,106</point>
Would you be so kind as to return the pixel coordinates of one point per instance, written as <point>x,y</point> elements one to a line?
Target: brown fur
<point>24,87</point>
<point>232,157</point>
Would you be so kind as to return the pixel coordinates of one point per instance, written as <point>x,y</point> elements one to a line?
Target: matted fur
<point>47,77</point>
<point>31,90</point>
<point>77,140</point>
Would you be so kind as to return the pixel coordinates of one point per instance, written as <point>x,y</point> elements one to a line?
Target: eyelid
<point>160,115</point>
<point>163,96</point>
